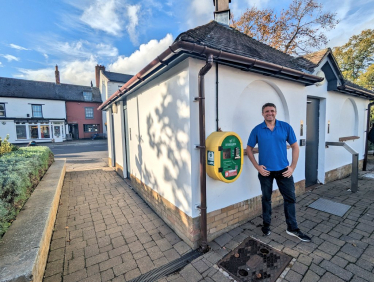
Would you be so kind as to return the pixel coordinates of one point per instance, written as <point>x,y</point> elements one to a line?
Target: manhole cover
<point>255,261</point>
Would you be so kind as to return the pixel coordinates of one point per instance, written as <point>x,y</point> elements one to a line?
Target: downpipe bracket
<point>200,147</point>
<point>198,99</point>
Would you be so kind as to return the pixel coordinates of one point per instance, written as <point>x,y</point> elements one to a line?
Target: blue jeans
<point>287,189</point>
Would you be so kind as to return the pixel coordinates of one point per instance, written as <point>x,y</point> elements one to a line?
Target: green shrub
<point>6,147</point>
<point>20,173</point>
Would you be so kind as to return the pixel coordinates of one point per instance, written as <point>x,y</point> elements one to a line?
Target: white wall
<point>159,122</point>
<point>20,107</point>
<point>347,117</point>
<point>119,135</point>
<point>8,127</point>
<point>241,96</point>
<point>163,124</point>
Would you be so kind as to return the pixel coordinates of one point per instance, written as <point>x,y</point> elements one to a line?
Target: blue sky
<point>123,35</point>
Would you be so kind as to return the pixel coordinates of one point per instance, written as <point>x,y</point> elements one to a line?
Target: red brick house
<point>82,116</point>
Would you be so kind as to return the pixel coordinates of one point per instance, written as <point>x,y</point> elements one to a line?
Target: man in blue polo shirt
<point>272,137</point>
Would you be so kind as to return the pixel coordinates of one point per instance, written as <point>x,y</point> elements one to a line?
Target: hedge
<point>20,173</point>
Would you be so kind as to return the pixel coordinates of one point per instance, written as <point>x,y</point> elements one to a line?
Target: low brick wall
<point>219,221</point>
<point>341,172</point>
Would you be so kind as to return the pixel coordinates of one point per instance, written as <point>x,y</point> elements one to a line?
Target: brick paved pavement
<point>105,232</point>
<point>342,248</point>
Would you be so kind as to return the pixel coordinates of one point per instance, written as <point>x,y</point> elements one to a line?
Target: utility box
<point>224,156</point>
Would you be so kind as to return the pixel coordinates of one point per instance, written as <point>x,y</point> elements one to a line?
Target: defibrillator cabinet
<point>224,156</point>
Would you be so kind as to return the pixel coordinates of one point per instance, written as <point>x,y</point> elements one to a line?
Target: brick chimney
<point>97,74</point>
<point>57,75</point>
<point>222,11</point>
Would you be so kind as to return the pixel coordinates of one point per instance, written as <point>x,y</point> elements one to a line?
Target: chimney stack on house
<point>97,74</point>
<point>57,75</point>
<point>222,11</point>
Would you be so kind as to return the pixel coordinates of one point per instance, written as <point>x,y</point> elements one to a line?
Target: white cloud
<point>199,12</point>
<point>132,13</point>
<point>10,58</point>
<point>354,15</point>
<point>106,50</point>
<point>78,49</point>
<point>104,15</point>
<point>45,56</point>
<point>14,46</point>
<point>79,72</point>
<point>1,64</point>
<point>141,57</point>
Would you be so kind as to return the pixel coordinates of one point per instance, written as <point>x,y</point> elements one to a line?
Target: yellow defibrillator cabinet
<point>224,156</point>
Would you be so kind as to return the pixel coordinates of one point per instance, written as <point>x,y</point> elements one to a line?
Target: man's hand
<point>288,172</point>
<point>262,170</point>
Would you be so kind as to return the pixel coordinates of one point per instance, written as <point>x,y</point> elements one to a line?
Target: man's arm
<point>295,158</point>
<point>261,169</point>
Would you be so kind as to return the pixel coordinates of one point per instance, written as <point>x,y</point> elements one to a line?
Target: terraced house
<point>214,78</point>
<point>48,112</point>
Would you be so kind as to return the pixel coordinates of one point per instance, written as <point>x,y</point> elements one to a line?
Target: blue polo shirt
<point>272,146</point>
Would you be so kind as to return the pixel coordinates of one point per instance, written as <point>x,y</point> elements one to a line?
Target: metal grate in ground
<point>330,206</point>
<point>169,268</point>
<point>255,261</point>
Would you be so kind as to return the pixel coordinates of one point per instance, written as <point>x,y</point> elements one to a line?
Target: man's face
<point>269,113</point>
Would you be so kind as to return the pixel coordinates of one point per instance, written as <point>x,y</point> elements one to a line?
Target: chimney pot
<point>57,75</point>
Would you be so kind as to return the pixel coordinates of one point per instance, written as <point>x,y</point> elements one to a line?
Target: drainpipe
<point>201,100</point>
<point>367,136</point>
<point>217,120</point>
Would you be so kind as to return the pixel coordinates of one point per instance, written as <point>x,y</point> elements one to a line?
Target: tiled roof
<point>351,84</point>
<point>225,38</point>
<point>316,57</point>
<point>118,77</point>
<point>20,88</point>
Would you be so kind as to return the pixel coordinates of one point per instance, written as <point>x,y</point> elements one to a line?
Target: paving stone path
<point>105,232</point>
<point>342,248</point>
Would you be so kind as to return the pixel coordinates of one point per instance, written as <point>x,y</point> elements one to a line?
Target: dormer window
<point>87,96</point>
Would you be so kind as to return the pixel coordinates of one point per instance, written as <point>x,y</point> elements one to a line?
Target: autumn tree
<point>299,29</point>
<point>356,58</point>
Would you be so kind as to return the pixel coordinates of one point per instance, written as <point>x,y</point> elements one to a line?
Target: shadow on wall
<point>168,127</point>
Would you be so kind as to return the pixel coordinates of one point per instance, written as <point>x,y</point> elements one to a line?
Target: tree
<point>366,79</point>
<point>355,58</point>
<point>296,30</point>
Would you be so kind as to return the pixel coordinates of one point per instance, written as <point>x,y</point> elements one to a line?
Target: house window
<point>21,131</point>
<point>89,113</point>
<point>34,131</point>
<point>87,96</point>
<point>37,111</point>
<point>45,131</point>
<point>2,110</point>
<point>91,127</point>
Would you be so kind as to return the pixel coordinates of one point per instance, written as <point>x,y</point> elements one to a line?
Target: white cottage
<point>31,110</point>
<point>160,131</point>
